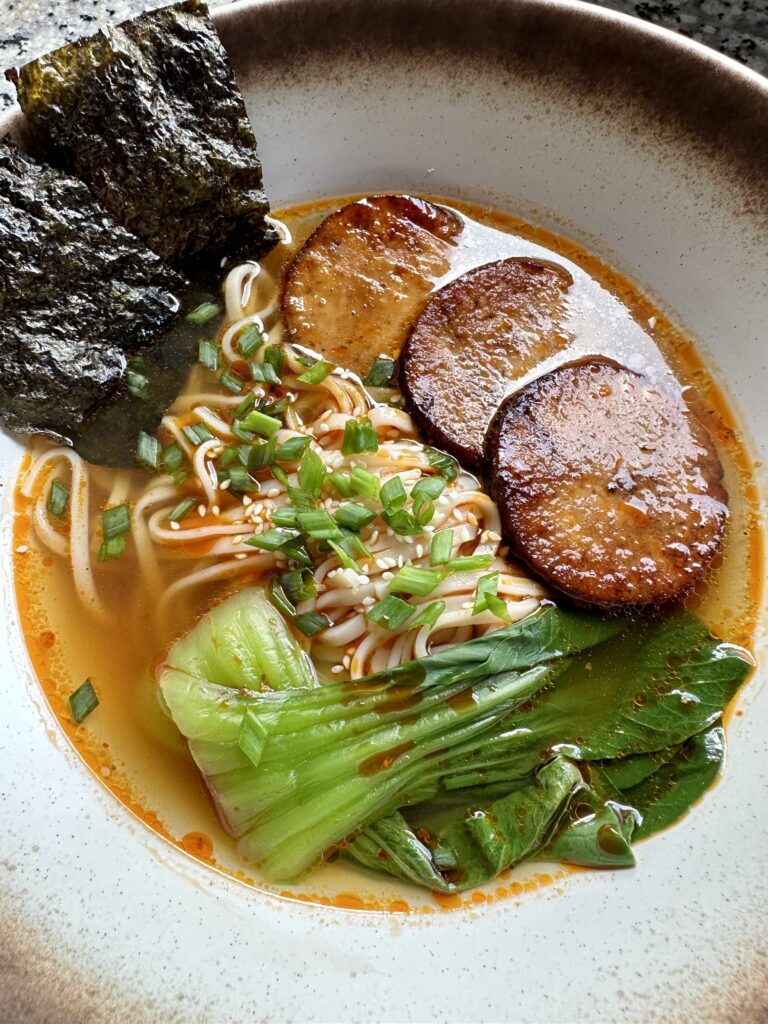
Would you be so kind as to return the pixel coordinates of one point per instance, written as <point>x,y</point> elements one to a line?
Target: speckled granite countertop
<point>738,28</point>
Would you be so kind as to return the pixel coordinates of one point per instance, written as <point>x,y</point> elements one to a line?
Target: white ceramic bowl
<point>653,153</point>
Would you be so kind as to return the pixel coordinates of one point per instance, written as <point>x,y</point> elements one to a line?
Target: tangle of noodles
<point>175,561</point>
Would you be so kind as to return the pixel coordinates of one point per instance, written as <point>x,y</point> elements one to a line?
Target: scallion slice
<point>445,464</point>
<point>468,563</point>
<point>312,474</point>
<point>203,313</point>
<point>275,539</point>
<point>197,433</point>
<point>359,437</point>
<point>354,516</point>
<point>208,353</point>
<point>182,509</point>
<point>486,587</point>
<point>393,495</point>
<point>241,480</point>
<point>423,495</point>
<point>382,373</point>
<point>347,561</point>
<point>275,356</point>
<point>116,521</point>
<point>429,616</point>
<point>441,548</point>
<point>311,623</point>
<point>250,340</point>
<point>365,483</point>
<point>137,384</point>
<point>260,423</point>
<point>317,373</point>
<point>261,455</point>
<point>342,484</point>
<point>391,612</point>
<point>292,449</point>
<point>298,585</point>
<point>286,516</point>
<point>112,548</point>
<point>58,499</point>
<point>173,459</point>
<point>265,373</point>
<point>251,737</point>
<point>245,406</point>
<point>413,579</point>
<point>83,701</point>
<point>318,524</point>
<point>231,382</point>
<point>279,598</point>
<point>148,451</point>
<point>401,522</point>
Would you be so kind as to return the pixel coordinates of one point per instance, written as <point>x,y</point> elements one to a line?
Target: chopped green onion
<point>393,495</point>
<point>312,474</point>
<point>112,548</point>
<point>441,548</point>
<point>486,587</point>
<point>185,505</point>
<point>317,373</point>
<point>311,623</point>
<point>251,737</point>
<point>353,516</point>
<point>58,499</point>
<point>173,458</point>
<point>265,373</point>
<point>272,407</point>
<point>347,561</point>
<point>284,517</point>
<point>466,563</point>
<point>412,579</point>
<point>245,406</point>
<point>116,521</point>
<point>365,483</point>
<point>234,453</point>
<point>401,522</point>
<point>275,356</point>
<point>445,464</point>
<point>197,433</point>
<point>359,437</point>
<point>242,481</point>
<point>292,449</point>
<point>391,613</point>
<point>279,598</point>
<point>498,607</point>
<point>242,435</point>
<point>250,340</point>
<point>298,585</point>
<point>203,313</point>
<point>148,451</point>
<point>353,545</point>
<point>318,524</point>
<point>382,373</point>
<point>273,539</point>
<point>208,354</point>
<point>299,498</point>
<point>297,550</point>
<point>137,384</point>
<point>83,701</point>
<point>231,382</point>
<point>342,484</point>
<point>423,494</point>
<point>429,616</point>
<point>261,424</point>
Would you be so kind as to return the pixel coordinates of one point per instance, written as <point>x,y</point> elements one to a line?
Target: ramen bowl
<point>649,151</point>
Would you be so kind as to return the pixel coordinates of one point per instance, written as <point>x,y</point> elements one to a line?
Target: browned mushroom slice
<point>608,485</point>
<point>473,338</point>
<point>359,280</point>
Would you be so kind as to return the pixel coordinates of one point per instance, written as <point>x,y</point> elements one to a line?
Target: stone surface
<point>738,28</point>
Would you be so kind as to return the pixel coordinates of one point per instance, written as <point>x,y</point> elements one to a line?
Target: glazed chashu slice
<point>608,485</point>
<point>475,337</point>
<point>356,285</point>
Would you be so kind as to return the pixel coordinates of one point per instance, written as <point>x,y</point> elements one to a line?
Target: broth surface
<point>136,750</point>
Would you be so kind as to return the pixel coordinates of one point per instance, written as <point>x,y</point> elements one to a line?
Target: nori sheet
<point>77,292</point>
<point>148,113</point>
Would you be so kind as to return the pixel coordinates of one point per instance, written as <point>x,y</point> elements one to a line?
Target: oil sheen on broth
<point>131,745</point>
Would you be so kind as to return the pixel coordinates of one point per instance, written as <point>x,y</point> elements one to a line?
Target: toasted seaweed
<point>77,292</point>
<point>149,115</point>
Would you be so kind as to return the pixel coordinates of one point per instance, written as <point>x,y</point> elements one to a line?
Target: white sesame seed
<point>22,549</point>
<point>467,604</point>
<point>368,601</point>
<point>346,661</point>
<point>241,555</point>
<point>247,501</point>
<point>238,538</point>
<point>273,492</point>
<point>225,485</point>
<point>400,561</point>
<point>387,575</point>
<point>374,537</point>
<point>419,550</point>
<point>337,668</point>
<point>322,428</point>
<point>201,510</point>
<point>382,563</point>
<point>472,518</point>
<point>215,510</point>
<point>175,526</point>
